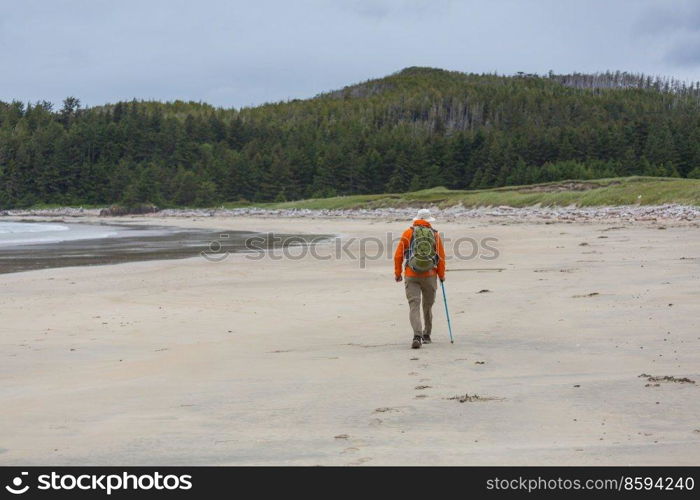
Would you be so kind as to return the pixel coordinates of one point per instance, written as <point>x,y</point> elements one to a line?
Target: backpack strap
<point>407,248</point>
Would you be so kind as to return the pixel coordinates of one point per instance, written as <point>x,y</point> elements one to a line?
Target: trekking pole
<point>447,313</point>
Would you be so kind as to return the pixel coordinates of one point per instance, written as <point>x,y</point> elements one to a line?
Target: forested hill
<point>415,129</point>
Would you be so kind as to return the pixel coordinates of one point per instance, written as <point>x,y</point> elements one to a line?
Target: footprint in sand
<point>375,422</point>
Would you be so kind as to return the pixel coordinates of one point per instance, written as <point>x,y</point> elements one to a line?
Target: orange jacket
<point>405,241</point>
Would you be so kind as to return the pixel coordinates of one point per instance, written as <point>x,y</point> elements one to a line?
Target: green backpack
<point>422,253</point>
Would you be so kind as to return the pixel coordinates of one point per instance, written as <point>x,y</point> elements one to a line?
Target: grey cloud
<point>240,53</point>
<point>674,29</point>
<point>669,19</point>
<point>379,9</point>
<point>686,52</point>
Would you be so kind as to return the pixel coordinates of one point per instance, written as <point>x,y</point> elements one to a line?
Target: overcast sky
<point>241,53</point>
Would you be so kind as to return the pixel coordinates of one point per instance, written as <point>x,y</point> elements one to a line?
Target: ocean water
<point>29,233</point>
<point>25,246</point>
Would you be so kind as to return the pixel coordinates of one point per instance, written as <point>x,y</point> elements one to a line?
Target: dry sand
<point>308,362</point>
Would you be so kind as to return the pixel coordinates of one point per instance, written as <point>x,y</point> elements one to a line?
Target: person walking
<point>421,248</point>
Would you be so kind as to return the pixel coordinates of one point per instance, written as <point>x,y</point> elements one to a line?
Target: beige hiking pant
<point>417,288</point>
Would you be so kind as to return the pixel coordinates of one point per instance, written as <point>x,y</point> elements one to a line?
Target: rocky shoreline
<point>630,213</point>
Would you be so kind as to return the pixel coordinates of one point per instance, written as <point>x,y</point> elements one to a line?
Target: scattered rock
<point>119,210</point>
<point>484,290</point>
<point>622,213</point>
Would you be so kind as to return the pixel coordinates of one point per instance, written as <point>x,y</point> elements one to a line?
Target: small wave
<point>30,227</point>
<point>30,233</point>
<point>55,239</point>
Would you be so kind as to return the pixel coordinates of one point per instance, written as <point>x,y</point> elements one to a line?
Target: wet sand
<point>135,242</point>
<point>562,348</point>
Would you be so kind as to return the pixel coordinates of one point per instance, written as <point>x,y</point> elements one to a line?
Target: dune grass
<point>597,192</point>
<point>583,193</point>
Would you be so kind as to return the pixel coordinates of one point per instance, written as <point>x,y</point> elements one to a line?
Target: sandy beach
<point>307,361</point>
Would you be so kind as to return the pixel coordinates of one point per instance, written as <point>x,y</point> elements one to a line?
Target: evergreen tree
<point>415,129</point>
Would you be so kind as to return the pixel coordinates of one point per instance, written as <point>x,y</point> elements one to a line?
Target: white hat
<point>424,214</point>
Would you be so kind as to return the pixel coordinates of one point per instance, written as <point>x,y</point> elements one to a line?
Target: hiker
<point>421,247</point>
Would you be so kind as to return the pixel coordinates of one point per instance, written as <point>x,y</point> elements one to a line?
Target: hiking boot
<point>417,341</point>
<point>426,339</point>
